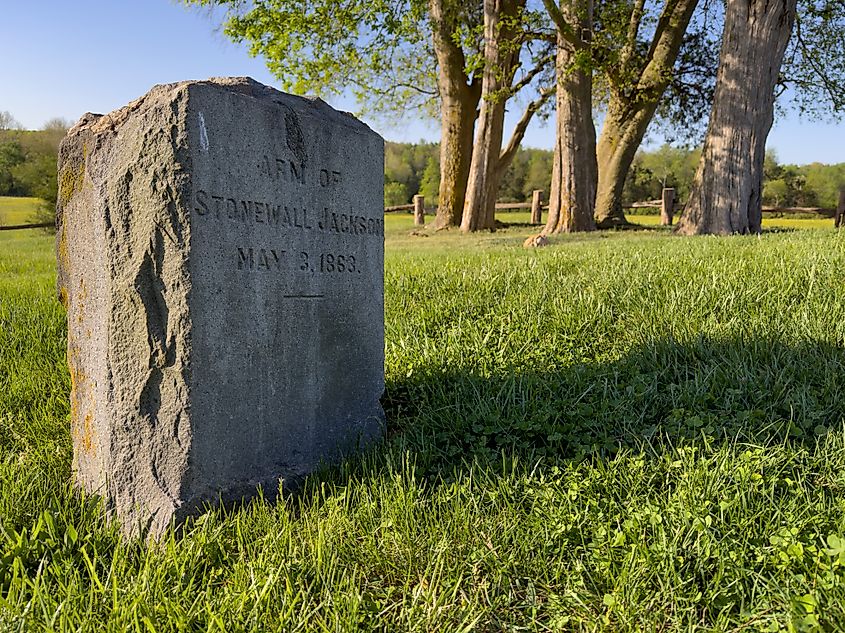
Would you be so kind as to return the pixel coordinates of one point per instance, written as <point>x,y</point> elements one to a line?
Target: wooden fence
<point>537,206</point>
<point>420,210</point>
<point>667,207</point>
<point>18,227</point>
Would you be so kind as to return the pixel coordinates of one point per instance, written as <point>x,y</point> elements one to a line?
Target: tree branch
<point>528,77</point>
<point>668,37</point>
<point>564,28</point>
<point>507,154</point>
<point>541,36</point>
<point>450,56</point>
<point>423,91</point>
<point>633,30</point>
<point>826,84</point>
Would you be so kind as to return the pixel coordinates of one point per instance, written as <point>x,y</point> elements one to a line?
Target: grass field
<point>623,431</point>
<point>17,210</point>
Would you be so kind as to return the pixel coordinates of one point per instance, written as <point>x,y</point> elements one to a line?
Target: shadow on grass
<point>754,390</point>
<point>657,396</point>
<point>661,395</point>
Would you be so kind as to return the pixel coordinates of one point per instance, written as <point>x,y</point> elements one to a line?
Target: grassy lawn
<point>18,210</point>
<point>624,431</point>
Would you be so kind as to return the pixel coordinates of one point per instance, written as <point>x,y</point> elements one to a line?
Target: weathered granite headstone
<point>220,248</point>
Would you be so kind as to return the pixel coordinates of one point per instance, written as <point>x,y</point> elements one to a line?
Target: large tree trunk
<point>481,188</point>
<point>574,170</point>
<point>727,193</point>
<point>621,136</point>
<point>494,177</point>
<point>457,121</point>
<point>458,109</point>
<point>634,97</point>
<point>501,55</point>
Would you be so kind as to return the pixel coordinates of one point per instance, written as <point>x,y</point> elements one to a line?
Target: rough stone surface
<point>220,248</point>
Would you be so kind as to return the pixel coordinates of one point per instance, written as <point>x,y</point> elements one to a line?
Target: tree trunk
<point>726,196</point>
<point>501,55</point>
<point>574,170</point>
<point>621,136</point>
<point>631,110</point>
<point>457,121</point>
<point>482,184</point>
<point>507,154</point>
<point>458,109</point>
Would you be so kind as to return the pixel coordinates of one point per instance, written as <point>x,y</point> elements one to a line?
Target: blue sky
<point>64,58</point>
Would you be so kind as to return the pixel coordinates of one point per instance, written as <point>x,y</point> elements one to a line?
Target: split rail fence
<point>18,227</point>
<point>666,205</point>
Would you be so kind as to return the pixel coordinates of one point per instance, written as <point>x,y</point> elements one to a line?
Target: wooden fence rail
<point>18,227</point>
<point>667,205</point>
<point>399,207</point>
<point>823,211</point>
<point>511,206</point>
<point>418,208</point>
<point>828,213</point>
<point>537,206</point>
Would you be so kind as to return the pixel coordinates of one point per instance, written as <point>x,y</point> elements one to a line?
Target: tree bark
<point>501,58</point>
<point>459,96</point>
<point>634,97</point>
<point>574,170</point>
<point>483,182</point>
<point>507,154</point>
<point>726,197</point>
<point>499,65</point>
<point>622,134</point>
<point>457,121</point>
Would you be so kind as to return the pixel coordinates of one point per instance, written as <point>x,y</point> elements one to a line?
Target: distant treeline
<point>28,161</point>
<point>410,169</point>
<point>28,168</point>
<point>813,185</point>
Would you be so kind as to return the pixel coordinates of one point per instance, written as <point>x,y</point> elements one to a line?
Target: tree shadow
<point>444,422</point>
<point>755,390</point>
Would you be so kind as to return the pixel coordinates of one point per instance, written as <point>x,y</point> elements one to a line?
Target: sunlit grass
<point>18,210</point>
<point>404,221</point>
<point>625,431</point>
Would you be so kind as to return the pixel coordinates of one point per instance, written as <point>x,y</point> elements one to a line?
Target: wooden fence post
<point>840,209</point>
<point>419,210</point>
<point>667,209</point>
<point>537,206</point>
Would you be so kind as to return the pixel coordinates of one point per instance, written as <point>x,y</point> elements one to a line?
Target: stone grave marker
<point>220,249</point>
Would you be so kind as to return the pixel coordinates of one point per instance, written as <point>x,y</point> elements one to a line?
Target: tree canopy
<point>380,50</point>
<point>28,161</point>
